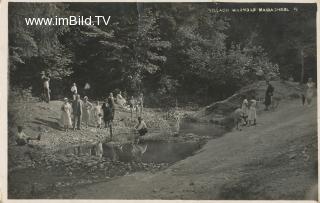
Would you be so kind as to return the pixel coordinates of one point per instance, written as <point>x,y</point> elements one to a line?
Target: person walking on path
<point>252,113</point>
<point>46,87</point>
<point>87,106</point>
<point>107,115</point>
<point>309,91</point>
<point>74,89</point>
<point>77,112</point>
<point>97,114</point>
<point>66,115</point>
<point>245,110</point>
<point>268,96</point>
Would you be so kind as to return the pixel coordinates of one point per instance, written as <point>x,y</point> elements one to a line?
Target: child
<point>252,113</point>
<point>23,139</point>
<point>245,111</point>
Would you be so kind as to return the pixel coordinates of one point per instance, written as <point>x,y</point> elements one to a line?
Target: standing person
<point>141,127</point>
<point>107,115</point>
<point>245,110</point>
<point>97,114</point>
<point>132,104</point>
<point>74,89</point>
<point>22,138</point>
<point>111,104</point>
<point>252,114</point>
<point>86,89</point>
<point>46,87</point>
<point>77,112</point>
<point>87,106</point>
<point>268,96</point>
<point>66,115</point>
<point>309,91</point>
<point>140,103</point>
<point>238,115</point>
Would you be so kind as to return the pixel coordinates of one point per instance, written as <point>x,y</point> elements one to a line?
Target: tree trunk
<point>302,66</point>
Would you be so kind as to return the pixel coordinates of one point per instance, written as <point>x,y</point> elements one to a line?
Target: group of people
<point>79,111</point>
<point>246,114</point>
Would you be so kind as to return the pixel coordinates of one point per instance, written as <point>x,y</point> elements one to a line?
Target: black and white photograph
<point>162,101</point>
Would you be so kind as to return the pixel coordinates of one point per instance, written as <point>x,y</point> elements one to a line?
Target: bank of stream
<point>55,175</point>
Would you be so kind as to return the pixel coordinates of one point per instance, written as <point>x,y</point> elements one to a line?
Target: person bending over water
<point>23,139</point>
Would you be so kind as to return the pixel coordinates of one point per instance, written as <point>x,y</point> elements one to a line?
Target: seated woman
<point>120,100</point>
<point>141,127</point>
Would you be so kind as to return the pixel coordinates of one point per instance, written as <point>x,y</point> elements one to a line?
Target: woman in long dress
<point>310,91</point>
<point>87,106</point>
<point>66,115</point>
<point>252,113</point>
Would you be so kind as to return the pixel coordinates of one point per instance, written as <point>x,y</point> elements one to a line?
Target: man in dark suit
<point>77,112</point>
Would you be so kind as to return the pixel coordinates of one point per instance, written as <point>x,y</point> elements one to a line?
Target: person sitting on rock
<point>120,100</point>
<point>23,139</point>
<point>141,127</point>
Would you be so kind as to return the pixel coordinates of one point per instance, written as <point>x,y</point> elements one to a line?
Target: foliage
<point>169,51</point>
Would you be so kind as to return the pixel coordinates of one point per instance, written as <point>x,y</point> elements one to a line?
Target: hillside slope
<point>273,160</point>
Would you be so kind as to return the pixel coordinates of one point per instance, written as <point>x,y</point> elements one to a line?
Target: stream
<point>79,166</point>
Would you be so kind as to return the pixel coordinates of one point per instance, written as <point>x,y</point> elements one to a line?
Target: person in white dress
<point>252,113</point>
<point>66,115</point>
<point>245,111</point>
<point>87,106</point>
<point>310,91</point>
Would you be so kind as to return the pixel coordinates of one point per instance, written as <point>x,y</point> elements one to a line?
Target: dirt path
<point>273,160</point>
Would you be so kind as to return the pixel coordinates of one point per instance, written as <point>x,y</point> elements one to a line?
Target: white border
<point>4,92</point>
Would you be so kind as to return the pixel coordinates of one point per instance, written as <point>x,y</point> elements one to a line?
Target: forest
<point>169,51</point>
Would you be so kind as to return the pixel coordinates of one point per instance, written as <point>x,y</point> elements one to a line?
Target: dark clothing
<point>107,113</point>
<point>112,106</point>
<point>77,113</point>
<point>21,142</point>
<point>269,94</point>
<point>77,107</point>
<point>142,131</point>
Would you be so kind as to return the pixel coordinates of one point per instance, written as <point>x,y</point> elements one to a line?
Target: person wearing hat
<point>77,112</point>
<point>66,115</point>
<point>87,106</point>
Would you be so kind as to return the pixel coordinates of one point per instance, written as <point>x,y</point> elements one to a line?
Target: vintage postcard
<point>160,101</point>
